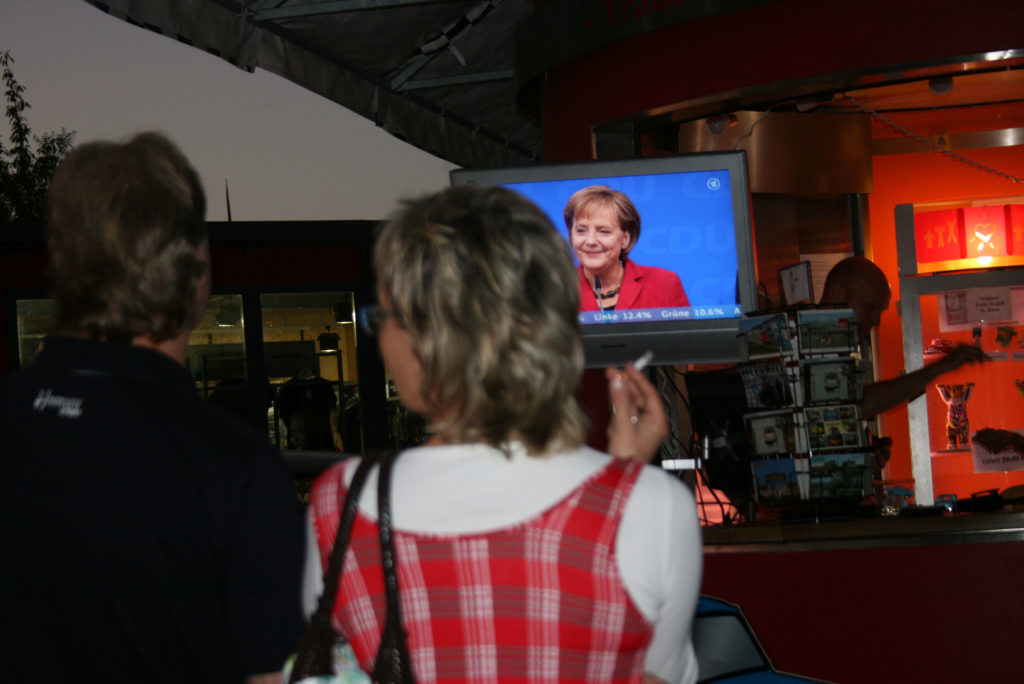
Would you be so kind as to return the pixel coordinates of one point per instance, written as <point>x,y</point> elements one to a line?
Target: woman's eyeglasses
<point>372,317</point>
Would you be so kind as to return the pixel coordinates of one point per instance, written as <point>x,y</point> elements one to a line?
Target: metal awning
<point>438,75</point>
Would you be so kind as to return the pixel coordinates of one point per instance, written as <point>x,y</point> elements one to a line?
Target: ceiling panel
<point>438,75</point>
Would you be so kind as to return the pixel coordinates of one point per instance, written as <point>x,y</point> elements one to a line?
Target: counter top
<point>969,528</point>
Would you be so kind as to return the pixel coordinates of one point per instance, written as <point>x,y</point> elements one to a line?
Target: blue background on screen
<point>686,225</point>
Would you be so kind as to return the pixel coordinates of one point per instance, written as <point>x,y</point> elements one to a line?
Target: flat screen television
<point>695,222</point>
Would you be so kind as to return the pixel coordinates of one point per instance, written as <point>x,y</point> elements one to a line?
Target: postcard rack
<point>804,385</point>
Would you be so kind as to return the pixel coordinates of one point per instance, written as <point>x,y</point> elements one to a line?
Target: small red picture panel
<point>939,235</point>
<point>1015,229</point>
<point>986,230</point>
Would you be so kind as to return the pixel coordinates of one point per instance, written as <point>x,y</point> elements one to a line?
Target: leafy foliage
<point>25,171</point>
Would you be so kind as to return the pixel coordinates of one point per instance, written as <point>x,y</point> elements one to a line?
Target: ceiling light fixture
<point>341,315</point>
<point>228,316</point>
<point>942,85</point>
<point>718,123</point>
<point>328,342</point>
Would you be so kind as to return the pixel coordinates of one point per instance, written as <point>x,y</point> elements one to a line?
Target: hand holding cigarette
<point>638,424</point>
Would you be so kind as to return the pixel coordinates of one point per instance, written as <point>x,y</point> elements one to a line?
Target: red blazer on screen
<point>643,287</point>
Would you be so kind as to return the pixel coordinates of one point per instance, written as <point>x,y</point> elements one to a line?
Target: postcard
<point>767,385</point>
<point>846,476</point>
<point>832,380</point>
<point>775,480</point>
<point>827,330</point>
<point>766,336</point>
<point>831,427</point>
<point>771,432</point>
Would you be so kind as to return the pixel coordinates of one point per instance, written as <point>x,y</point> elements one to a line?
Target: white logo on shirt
<point>68,407</point>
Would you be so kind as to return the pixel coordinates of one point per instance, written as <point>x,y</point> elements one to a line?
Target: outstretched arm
<point>883,395</point>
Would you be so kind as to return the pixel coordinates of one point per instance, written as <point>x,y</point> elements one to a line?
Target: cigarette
<point>644,359</point>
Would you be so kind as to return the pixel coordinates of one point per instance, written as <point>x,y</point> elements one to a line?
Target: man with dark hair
<point>858,283</point>
<point>149,536</point>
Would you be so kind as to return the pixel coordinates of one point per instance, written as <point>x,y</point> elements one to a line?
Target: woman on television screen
<point>603,227</point>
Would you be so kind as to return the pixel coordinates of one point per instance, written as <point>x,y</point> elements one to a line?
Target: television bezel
<point>675,342</point>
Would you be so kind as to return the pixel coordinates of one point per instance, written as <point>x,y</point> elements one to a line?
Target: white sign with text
<point>987,462</point>
<point>989,304</point>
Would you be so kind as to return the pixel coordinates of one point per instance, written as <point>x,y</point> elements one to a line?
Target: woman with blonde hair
<point>522,554</point>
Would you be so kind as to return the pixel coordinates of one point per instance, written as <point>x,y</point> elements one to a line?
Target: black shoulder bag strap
<point>314,654</point>
<point>393,664</point>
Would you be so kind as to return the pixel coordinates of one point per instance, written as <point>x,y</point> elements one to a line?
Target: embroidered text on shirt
<point>68,407</point>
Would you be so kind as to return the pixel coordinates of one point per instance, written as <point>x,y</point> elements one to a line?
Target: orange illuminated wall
<point>922,179</point>
<point>996,403</point>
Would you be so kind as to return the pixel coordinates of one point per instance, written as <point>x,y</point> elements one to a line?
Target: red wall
<point>776,42</point>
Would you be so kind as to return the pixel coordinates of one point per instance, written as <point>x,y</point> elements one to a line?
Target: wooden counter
<point>868,532</point>
<point>881,599</point>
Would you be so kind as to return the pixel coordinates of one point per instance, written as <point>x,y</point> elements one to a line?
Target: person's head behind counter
<point>858,283</point>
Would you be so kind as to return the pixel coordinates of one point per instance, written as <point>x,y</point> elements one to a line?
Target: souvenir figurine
<point>957,426</point>
<point>1005,335</point>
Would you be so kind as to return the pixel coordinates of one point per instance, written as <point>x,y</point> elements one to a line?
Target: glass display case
<point>967,430</point>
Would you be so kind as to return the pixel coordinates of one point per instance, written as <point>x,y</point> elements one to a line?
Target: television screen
<point>683,275</point>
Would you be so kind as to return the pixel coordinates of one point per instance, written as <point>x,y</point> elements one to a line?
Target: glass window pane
<point>405,428</point>
<point>309,344</point>
<point>216,354</point>
<point>34,319</point>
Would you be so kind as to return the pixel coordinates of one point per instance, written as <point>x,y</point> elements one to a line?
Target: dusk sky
<point>286,152</point>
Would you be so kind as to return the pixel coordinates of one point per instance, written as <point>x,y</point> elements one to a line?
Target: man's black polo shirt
<point>149,536</point>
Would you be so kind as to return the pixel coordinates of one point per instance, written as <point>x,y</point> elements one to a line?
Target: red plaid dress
<point>541,601</point>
